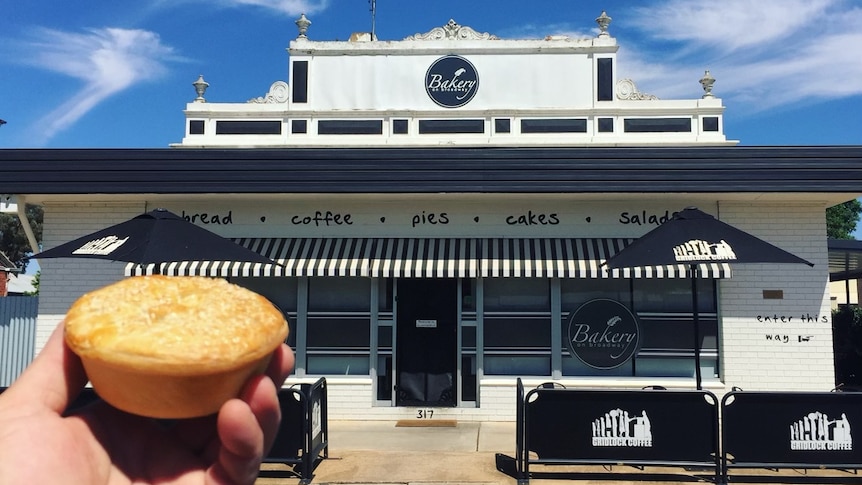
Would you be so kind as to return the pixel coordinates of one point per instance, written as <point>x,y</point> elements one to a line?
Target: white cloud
<point>730,25</point>
<point>763,54</point>
<point>287,7</point>
<point>107,60</point>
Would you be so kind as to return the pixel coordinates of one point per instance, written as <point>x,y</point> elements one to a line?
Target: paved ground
<point>379,452</point>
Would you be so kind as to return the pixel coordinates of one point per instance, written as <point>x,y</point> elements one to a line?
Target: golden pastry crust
<point>179,326</point>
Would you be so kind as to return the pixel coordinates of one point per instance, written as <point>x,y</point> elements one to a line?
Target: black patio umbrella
<point>156,237</point>
<point>694,237</point>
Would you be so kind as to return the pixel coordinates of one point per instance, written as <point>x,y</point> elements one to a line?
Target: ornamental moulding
<point>278,93</point>
<point>626,89</point>
<point>452,31</point>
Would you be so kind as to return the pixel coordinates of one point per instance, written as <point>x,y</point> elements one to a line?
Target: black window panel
<point>657,125</point>
<point>299,126</point>
<point>605,79</point>
<point>248,127</point>
<point>196,127</point>
<point>606,125</point>
<point>502,125</point>
<point>341,332</point>
<point>710,123</point>
<point>554,125</point>
<point>300,81</point>
<point>675,332</point>
<point>451,126</point>
<point>517,331</point>
<point>350,127</point>
<point>399,127</point>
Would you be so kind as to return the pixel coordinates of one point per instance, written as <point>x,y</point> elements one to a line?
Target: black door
<point>426,355</point>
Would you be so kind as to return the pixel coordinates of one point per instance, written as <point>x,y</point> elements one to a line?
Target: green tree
<point>841,219</point>
<point>13,239</point>
<point>36,279</point>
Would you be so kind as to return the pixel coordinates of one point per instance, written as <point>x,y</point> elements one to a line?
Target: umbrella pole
<point>697,374</point>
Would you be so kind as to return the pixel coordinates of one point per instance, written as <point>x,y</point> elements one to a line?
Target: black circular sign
<point>451,81</point>
<point>603,334</point>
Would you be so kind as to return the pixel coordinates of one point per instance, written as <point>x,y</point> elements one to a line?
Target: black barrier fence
<point>614,427</point>
<point>766,430</point>
<point>792,430</point>
<point>303,439</point>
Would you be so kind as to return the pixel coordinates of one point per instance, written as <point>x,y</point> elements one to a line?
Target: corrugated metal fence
<point>17,335</point>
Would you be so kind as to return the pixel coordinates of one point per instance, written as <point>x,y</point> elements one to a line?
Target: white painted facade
<point>364,79</point>
<point>763,343</point>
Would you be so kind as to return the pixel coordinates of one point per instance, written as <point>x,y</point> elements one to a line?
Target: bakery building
<point>441,207</point>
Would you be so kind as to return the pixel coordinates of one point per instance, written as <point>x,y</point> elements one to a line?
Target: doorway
<point>426,342</point>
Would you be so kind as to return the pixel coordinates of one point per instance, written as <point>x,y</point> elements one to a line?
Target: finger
<point>261,395</point>
<point>52,380</point>
<point>241,449</point>
<point>281,365</point>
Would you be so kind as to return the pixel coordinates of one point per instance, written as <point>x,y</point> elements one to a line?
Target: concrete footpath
<point>380,452</point>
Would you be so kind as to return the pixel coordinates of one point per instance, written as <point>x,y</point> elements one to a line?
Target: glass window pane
<point>345,365</point>
<point>672,295</point>
<point>572,366</point>
<point>350,127</point>
<point>339,294</point>
<point>384,377</point>
<point>451,126</point>
<point>468,377</point>
<point>517,365</point>
<point>517,331</point>
<point>665,366</point>
<point>517,294</point>
<point>338,332</point>
<point>554,125</point>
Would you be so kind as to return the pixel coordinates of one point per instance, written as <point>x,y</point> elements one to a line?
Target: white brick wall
<point>799,356</point>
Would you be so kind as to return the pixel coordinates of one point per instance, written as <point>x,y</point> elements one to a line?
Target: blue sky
<point>103,73</point>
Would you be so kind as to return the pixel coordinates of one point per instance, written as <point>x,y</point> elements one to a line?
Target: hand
<point>102,445</point>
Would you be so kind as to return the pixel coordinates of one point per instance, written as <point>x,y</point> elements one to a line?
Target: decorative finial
<point>200,88</point>
<point>603,20</point>
<point>302,24</point>
<point>707,81</point>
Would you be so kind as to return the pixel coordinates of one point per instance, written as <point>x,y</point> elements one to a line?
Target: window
<point>451,126</point>
<point>502,125</point>
<point>710,123</point>
<point>517,326</point>
<point>350,127</point>
<point>248,127</point>
<point>606,125</point>
<point>196,127</point>
<point>605,68</point>
<point>339,326</point>
<point>554,125</point>
<point>664,311</point>
<point>657,125</point>
<point>299,126</point>
<point>300,82</point>
<point>399,127</point>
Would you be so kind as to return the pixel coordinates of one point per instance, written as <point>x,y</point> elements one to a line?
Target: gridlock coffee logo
<point>816,432</point>
<point>451,81</point>
<point>603,334</point>
<point>618,428</point>
<point>102,246</point>
<point>700,250</point>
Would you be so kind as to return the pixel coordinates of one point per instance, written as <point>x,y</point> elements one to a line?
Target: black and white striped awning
<point>434,258</point>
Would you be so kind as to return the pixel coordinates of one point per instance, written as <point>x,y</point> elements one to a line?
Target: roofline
<point>823,169</point>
